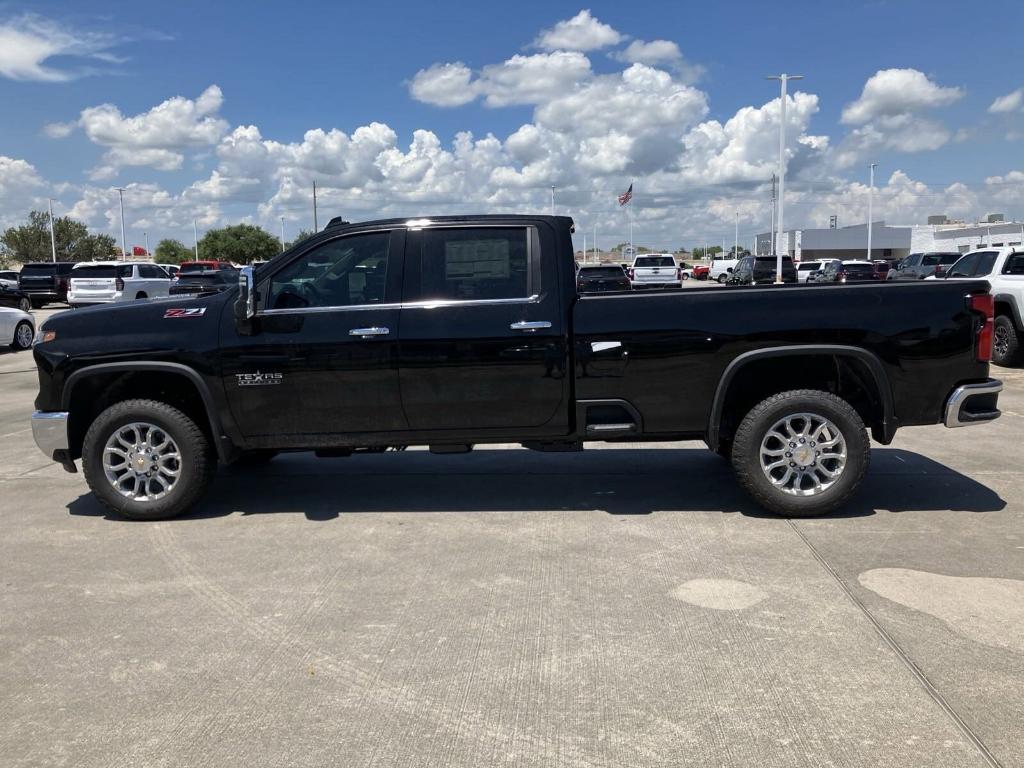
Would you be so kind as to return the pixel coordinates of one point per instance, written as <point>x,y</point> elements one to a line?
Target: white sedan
<point>17,328</point>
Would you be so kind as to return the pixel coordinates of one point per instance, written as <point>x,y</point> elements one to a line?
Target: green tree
<point>302,234</point>
<point>31,241</point>
<point>172,252</point>
<point>239,244</point>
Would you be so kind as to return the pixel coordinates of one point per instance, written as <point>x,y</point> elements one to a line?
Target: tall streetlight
<point>552,200</point>
<point>871,197</point>
<point>124,246</point>
<point>783,79</point>
<point>53,237</point>
<point>282,234</point>
<point>195,234</point>
<point>146,236</point>
<point>736,247</point>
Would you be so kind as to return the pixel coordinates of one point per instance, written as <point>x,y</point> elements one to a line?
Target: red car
<point>701,271</point>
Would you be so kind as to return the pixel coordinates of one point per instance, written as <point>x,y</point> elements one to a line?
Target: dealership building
<point>892,242</point>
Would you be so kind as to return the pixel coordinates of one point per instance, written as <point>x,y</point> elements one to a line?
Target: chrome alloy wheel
<point>141,461</point>
<point>23,336</point>
<point>803,454</point>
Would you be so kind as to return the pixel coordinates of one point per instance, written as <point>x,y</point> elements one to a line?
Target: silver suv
<point>918,266</point>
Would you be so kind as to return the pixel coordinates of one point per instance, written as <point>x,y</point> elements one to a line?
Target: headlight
<point>43,335</point>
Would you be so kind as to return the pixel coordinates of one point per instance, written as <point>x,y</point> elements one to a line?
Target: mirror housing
<point>245,305</point>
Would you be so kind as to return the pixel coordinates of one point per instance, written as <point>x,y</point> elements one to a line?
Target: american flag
<point>626,196</point>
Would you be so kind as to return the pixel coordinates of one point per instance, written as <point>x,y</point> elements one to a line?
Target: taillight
<point>679,274</point>
<point>119,284</point>
<point>984,305</point>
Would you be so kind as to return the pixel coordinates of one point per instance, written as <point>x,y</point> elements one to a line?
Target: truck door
<point>484,334</point>
<point>323,356</point>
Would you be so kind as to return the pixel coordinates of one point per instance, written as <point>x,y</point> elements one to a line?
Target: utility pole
<point>737,246</point>
<point>771,250</point>
<point>282,234</point>
<point>783,79</point>
<point>315,229</point>
<point>584,247</point>
<point>871,198</point>
<point>120,198</point>
<point>195,234</point>
<point>596,257</point>
<point>53,237</point>
<point>145,236</point>
<point>552,200</point>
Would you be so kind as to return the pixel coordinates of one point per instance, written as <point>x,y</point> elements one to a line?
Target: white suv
<point>106,282</point>
<point>655,270</point>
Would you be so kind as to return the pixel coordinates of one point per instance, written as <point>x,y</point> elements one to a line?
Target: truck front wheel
<point>1005,343</point>
<point>801,453</point>
<point>146,460</point>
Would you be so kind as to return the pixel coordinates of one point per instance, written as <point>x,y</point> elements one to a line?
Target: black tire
<point>683,276</point>
<point>746,452</point>
<point>723,278</point>
<point>1006,349</point>
<point>25,305</point>
<point>196,465</point>
<point>22,341</point>
<point>256,457</point>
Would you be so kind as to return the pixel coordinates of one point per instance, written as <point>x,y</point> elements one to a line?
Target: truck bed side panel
<point>674,348</point>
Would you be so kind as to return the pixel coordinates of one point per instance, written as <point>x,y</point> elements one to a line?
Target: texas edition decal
<point>258,379</point>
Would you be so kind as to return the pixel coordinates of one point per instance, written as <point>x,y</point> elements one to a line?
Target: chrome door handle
<point>530,327</point>
<point>367,332</point>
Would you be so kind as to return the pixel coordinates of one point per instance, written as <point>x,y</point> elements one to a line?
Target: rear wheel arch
<point>88,391</point>
<point>1006,304</point>
<point>852,373</point>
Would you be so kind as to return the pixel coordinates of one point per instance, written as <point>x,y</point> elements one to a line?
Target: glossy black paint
<point>602,279</point>
<point>761,270</point>
<point>12,297</point>
<point>457,372</point>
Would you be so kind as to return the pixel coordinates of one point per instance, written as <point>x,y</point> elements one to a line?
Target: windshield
<point>38,269</point>
<point>654,261</point>
<point>931,259</point>
<point>601,272</point>
<point>808,266</point>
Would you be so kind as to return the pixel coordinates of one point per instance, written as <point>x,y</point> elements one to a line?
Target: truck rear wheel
<point>1005,342</point>
<point>801,453</point>
<point>146,460</point>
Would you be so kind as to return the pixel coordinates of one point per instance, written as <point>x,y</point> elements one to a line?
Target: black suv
<point>46,281</point>
<point>760,270</point>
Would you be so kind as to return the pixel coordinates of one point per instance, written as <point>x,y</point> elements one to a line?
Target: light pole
<point>315,229</point>
<point>195,234</point>
<point>871,198</point>
<point>282,234</point>
<point>596,257</point>
<point>120,198</point>
<point>773,245</point>
<point>552,200</point>
<point>736,247</point>
<point>783,79</point>
<point>146,236</point>
<point>53,237</point>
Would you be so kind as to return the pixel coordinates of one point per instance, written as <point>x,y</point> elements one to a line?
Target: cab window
<point>347,272</point>
<point>474,264</point>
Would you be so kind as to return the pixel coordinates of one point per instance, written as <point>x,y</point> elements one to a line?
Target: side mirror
<point>728,269</point>
<point>245,305</point>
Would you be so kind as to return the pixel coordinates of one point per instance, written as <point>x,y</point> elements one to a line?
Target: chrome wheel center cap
<point>803,455</point>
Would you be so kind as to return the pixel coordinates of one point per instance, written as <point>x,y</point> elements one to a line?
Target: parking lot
<point>624,606</point>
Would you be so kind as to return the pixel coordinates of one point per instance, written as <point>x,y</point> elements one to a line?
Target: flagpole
<point>632,252</point>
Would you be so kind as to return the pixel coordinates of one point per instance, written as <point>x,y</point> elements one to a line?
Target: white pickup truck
<point>721,268</point>
<point>1004,270</point>
<point>655,270</point>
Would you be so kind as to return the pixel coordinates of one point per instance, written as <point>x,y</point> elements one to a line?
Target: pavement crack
<point>902,655</point>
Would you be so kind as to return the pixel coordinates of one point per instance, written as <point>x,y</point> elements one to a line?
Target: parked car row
<point>104,282</point>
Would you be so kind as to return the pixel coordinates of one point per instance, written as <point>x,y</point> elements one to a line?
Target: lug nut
<point>802,440</point>
<point>792,445</point>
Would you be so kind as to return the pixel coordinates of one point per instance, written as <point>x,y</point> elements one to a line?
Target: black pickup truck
<point>455,331</point>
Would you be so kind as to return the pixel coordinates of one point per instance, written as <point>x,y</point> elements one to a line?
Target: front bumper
<point>50,431</point>
<point>973,404</point>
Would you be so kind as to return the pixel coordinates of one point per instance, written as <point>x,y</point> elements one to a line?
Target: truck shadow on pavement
<point>613,480</point>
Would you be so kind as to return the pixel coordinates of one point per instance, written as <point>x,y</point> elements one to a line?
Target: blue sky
<point>285,69</point>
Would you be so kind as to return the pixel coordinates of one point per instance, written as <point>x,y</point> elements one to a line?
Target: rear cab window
<point>601,272</point>
<point>654,261</point>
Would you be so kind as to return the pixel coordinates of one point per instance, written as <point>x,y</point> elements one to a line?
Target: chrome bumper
<point>50,431</point>
<point>981,396</point>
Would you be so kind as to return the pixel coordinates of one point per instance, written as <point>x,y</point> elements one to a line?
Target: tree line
<point>238,243</point>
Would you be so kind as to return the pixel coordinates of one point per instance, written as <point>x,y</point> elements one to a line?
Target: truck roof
<point>426,221</point>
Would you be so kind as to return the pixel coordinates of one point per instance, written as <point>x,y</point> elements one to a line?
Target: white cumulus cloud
<point>583,32</point>
<point>1011,102</point>
<point>891,92</point>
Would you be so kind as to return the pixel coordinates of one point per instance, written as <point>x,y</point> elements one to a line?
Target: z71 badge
<point>190,312</point>
<point>258,379</point>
